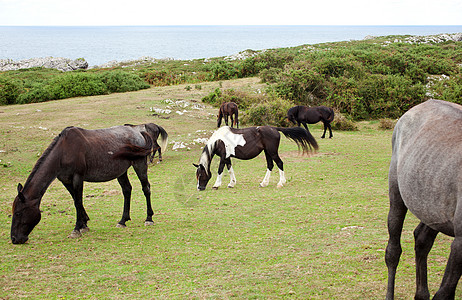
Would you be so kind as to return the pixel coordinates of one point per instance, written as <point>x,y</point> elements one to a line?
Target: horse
<point>246,144</point>
<point>77,155</point>
<point>228,109</point>
<point>424,178</point>
<point>302,115</point>
<point>154,131</point>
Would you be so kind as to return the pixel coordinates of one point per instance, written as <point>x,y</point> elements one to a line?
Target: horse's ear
<point>20,194</point>
<point>197,166</point>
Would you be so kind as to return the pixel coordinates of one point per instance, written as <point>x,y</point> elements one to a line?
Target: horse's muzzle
<point>19,240</point>
<point>201,188</point>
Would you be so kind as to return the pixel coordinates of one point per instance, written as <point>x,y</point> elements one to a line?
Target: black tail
<point>331,115</point>
<point>132,152</point>
<point>303,138</point>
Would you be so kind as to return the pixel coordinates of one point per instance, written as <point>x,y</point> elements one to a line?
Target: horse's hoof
<point>263,185</point>
<point>121,225</point>
<point>214,188</point>
<point>85,229</point>
<point>75,234</point>
<point>280,186</point>
<point>148,223</point>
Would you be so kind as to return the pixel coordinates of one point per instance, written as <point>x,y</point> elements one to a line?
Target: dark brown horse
<point>425,178</point>
<point>311,115</point>
<point>154,131</point>
<point>228,109</point>
<point>77,155</point>
<point>246,144</point>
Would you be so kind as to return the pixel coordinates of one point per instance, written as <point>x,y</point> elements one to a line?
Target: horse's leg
<point>306,127</point>
<point>226,120</point>
<point>269,168</point>
<point>232,181</point>
<point>453,270</point>
<point>158,149</point>
<point>232,119</point>
<point>76,190</point>
<point>237,119</point>
<point>424,237</point>
<point>396,217</point>
<point>330,130</point>
<point>141,169</point>
<point>127,192</point>
<point>217,183</point>
<point>280,164</point>
<point>325,129</point>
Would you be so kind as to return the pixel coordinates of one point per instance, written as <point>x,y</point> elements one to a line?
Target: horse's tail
<point>331,116</point>
<point>132,152</point>
<point>301,137</point>
<point>163,138</point>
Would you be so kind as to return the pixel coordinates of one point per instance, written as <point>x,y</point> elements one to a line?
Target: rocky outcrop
<point>425,39</point>
<point>59,63</point>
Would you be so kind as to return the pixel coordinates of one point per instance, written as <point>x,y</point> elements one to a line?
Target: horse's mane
<point>45,154</point>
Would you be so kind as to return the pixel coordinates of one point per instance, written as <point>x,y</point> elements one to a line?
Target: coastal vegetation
<point>369,79</point>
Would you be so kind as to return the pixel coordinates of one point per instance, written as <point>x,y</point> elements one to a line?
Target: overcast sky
<point>233,12</point>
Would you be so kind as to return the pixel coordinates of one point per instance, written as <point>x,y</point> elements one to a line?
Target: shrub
<point>272,112</point>
<point>120,82</point>
<point>343,123</point>
<point>10,90</point>
<point>213,98</point>
<point>387,124</point>
<point>76,84</point>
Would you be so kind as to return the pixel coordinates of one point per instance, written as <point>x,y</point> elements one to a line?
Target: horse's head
<point>202,176</point>
<point>26,215</point>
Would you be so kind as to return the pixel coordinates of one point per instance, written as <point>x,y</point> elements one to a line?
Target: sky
<point>233,12</point>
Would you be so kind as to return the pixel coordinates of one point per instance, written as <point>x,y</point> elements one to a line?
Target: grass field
<point>322,236</point>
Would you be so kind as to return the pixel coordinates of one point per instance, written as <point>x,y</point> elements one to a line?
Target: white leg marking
<point>232,181</point>
<point>218,181</point>
<point>282,179</point>
<point>265,181</point>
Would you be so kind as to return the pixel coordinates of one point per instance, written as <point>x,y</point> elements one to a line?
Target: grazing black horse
<point>77,155</point>
<point>154,131</point>
<point>302,115</point>
<point>425,178</point>
<point>246,144</point>
<point>228,109</point>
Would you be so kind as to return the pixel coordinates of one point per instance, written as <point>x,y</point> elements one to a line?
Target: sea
<point>102,44</point>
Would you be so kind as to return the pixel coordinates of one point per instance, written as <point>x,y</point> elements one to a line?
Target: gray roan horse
<point>425,178</point>
<point>303,114</point>
<point>77,155</point>
<point>246,144</point>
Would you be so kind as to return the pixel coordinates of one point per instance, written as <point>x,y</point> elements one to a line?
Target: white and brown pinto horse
<point>77,155</point>
<point>426,178</point>
<point>246,144</point>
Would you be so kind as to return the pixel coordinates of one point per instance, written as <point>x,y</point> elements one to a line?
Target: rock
<point>59,63</point>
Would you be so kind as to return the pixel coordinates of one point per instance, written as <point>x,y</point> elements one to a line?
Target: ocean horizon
<point>102,44</point>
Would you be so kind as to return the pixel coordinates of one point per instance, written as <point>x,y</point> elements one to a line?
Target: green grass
<point>320,237</point>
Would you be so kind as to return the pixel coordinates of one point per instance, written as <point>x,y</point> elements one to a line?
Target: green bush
<point>214,98</point>
<point>10,90</point>
<point>272,112</point>
<point>120,82</point>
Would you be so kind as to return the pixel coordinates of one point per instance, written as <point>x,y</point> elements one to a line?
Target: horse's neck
<point>206,157</point>
<point>42,176</point>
